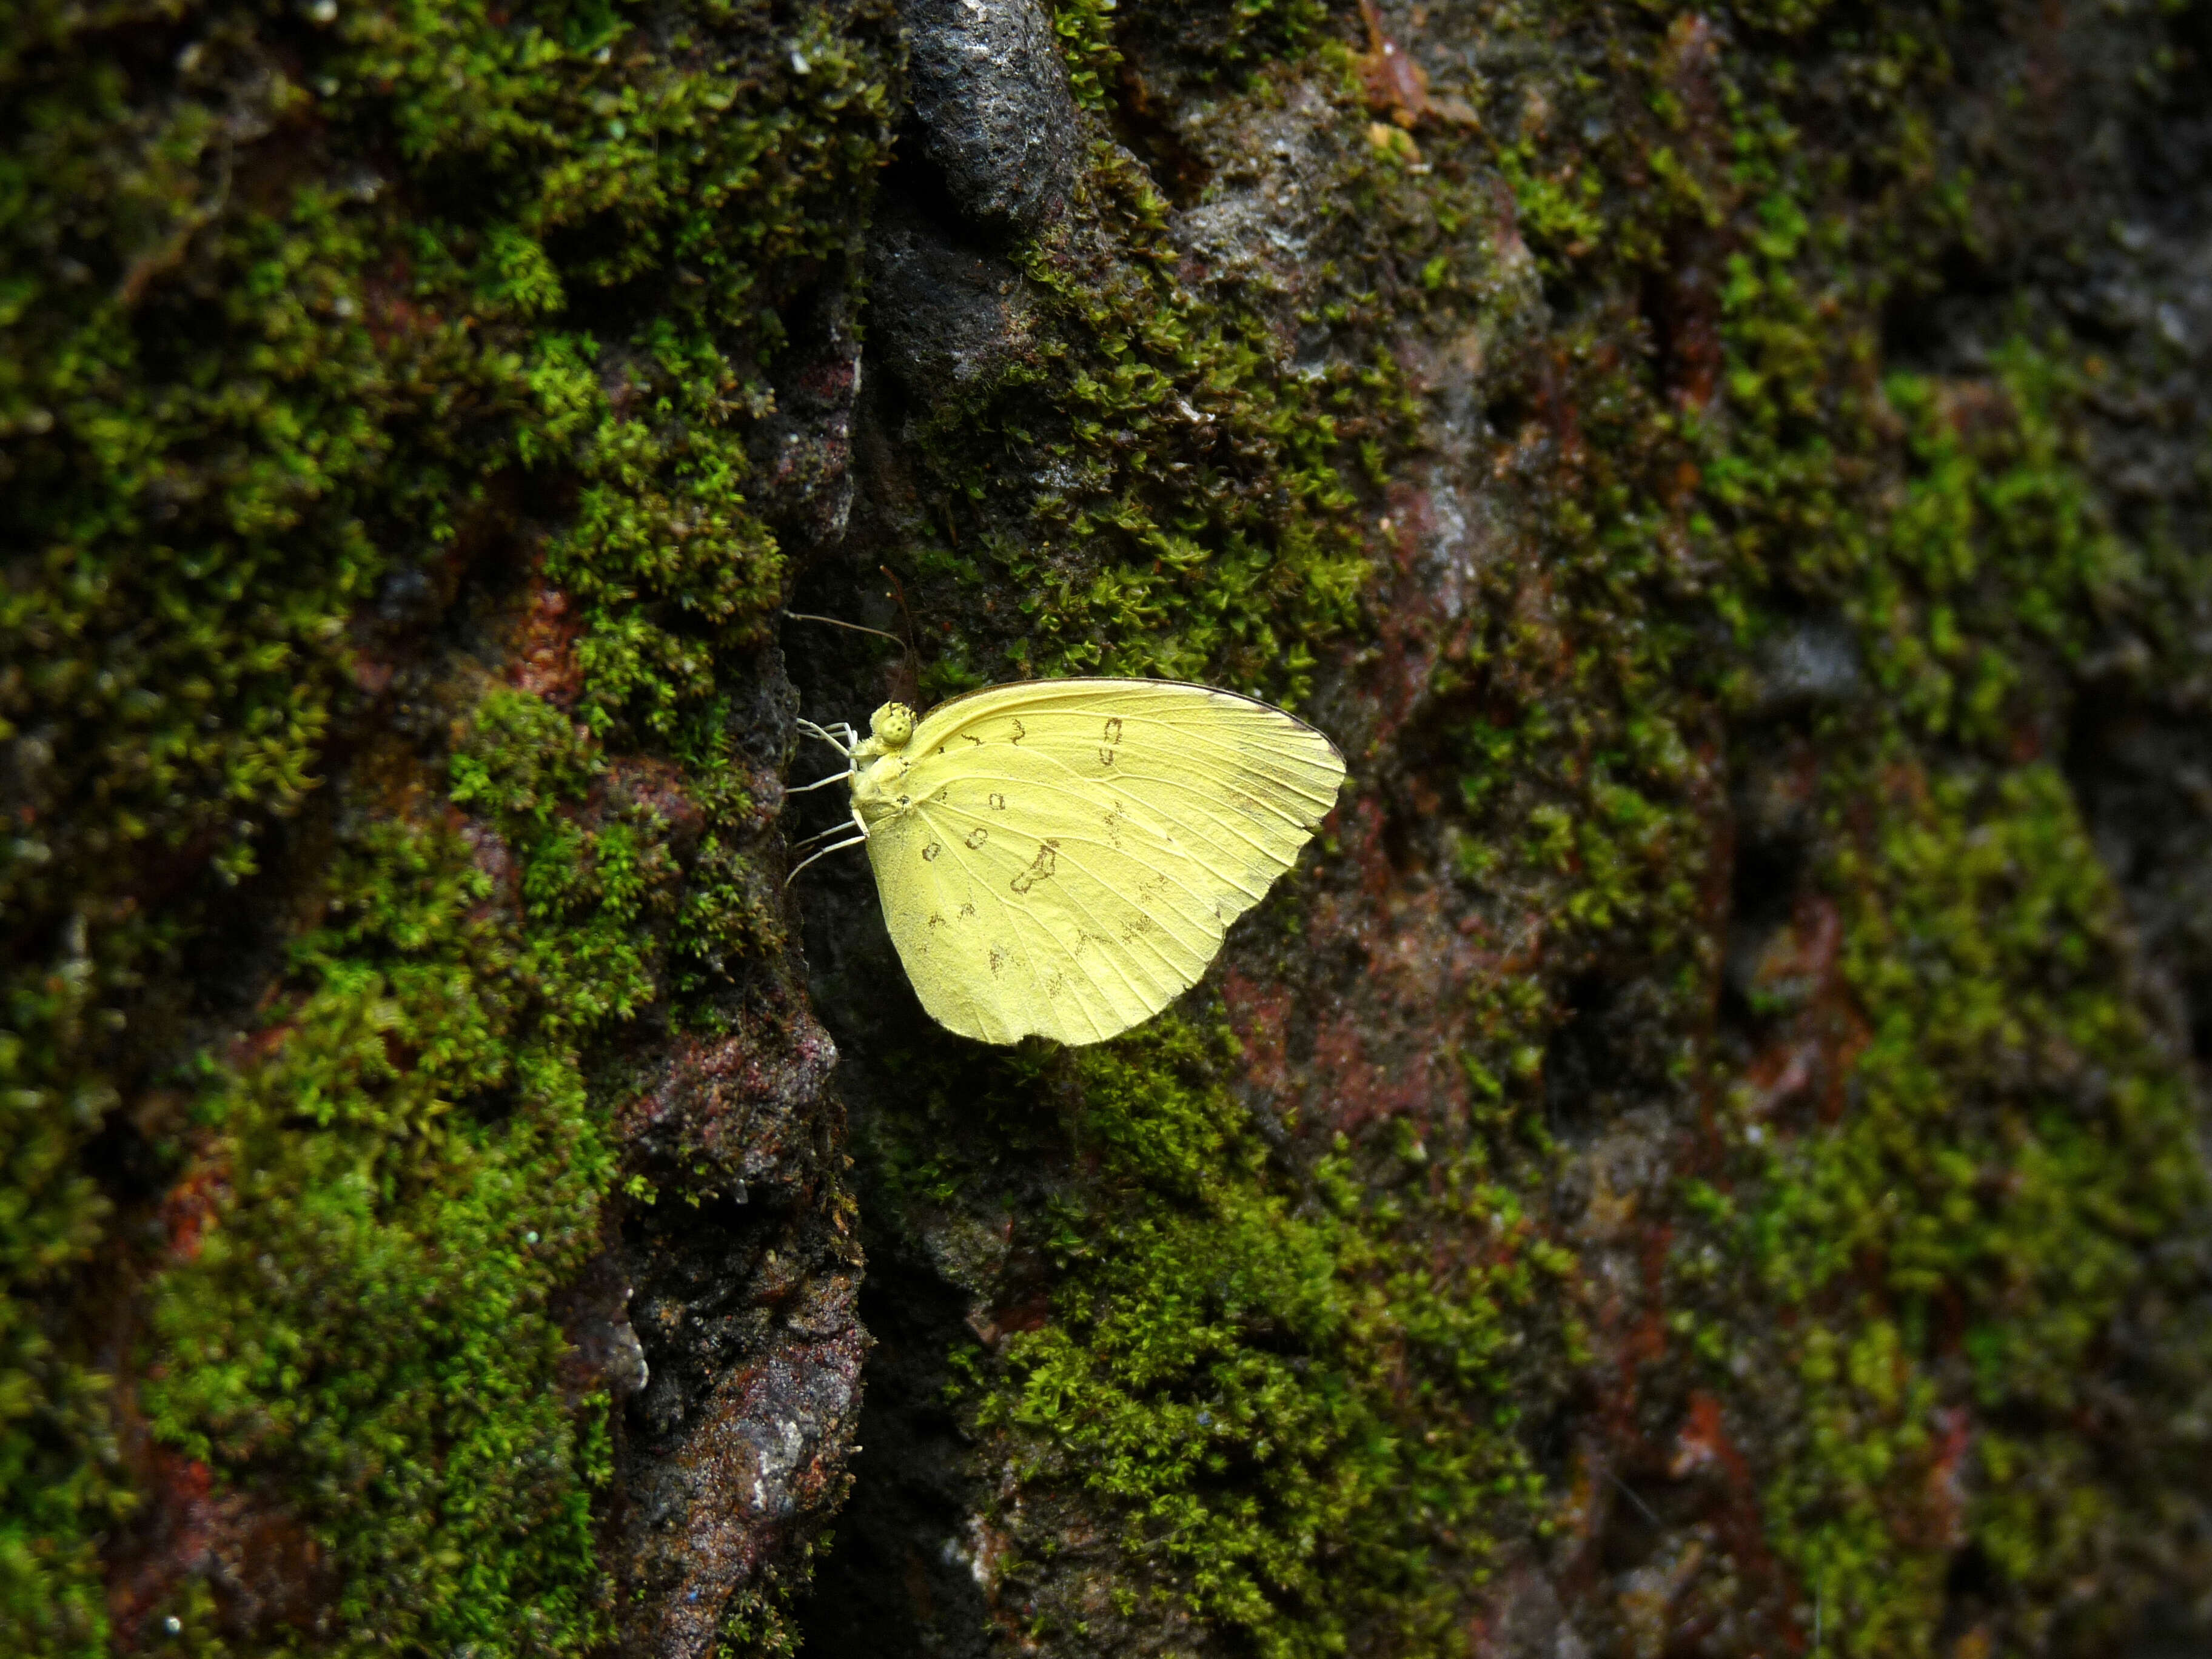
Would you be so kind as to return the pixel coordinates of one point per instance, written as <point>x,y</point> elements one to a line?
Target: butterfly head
<point>881,768</point>
<point>892,725</point>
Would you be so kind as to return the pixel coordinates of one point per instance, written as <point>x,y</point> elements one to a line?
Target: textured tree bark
<point>1707,1156</point>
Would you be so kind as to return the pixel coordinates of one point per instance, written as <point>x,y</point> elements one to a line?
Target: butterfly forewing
<point>1077,847</point>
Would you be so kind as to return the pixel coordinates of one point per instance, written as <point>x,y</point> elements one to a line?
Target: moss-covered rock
<point>1705,1157</point>
<point>387,713</point>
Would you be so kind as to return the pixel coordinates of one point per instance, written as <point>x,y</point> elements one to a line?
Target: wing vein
<point>1018,916</point>
<point>1192,830</point>
<point>1178,979</point>
<point>1197,896</point>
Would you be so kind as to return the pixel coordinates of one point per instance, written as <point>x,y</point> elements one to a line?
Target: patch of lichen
<point>292,307</point>
<point>1301,1407</point>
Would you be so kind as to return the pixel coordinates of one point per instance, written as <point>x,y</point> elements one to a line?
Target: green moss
<point>360,1341</point>
<point>1194,515</point>
<point>1210,41</point>
<point>1952,1251</point>
<point>1948,1252</point>
<point>296,314</point>
<point>1907,1300</point>
<point>2016,1143</point>
<point>2017,1139</point>
<point>1085,28</point>
<point>255,388</point>
<point>1998,555</point>
<point>1303,1419</point>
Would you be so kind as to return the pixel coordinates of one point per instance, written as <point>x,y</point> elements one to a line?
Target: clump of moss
<point>1967,1234</point>
<point>1209,42</point>
<point>360,1342</point>
<point>1303,1416</point>
<point>1950,1255</point>
<point>299,314</point>
<point>1147,546</point>
<point>1955,1242</point>
<point>1999,555</point>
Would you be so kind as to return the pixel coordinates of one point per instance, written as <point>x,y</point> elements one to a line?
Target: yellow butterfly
<point>1062,857</point>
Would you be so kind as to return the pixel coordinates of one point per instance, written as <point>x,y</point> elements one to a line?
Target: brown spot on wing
<point>1040,867</point>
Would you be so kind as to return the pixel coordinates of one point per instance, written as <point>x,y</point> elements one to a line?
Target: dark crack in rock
<point>734,1453</point>
<point>947,317</point>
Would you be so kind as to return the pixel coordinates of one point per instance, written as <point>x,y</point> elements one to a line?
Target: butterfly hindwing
<point>1022,903</point>
<point>1077,847</point>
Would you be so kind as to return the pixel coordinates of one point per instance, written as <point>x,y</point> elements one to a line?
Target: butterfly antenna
<point>906,621</point>
<point>850,628</point>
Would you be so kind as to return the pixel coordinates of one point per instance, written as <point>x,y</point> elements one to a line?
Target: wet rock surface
<point>991,94</point>
<point>746,1273</point>
<point>948,317</point>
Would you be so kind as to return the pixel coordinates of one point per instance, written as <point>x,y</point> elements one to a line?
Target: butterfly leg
<point>844,745</point>
<point>821,834</point>
<point>835,847</point>
<point>828,735</point>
